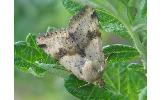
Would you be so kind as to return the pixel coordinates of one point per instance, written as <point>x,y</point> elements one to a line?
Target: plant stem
<point>139,46</point>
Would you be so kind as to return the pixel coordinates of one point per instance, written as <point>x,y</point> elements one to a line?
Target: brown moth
<point>78,48</point>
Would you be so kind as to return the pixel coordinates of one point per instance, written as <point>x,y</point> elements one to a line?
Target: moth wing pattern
<point>60,45</point>
<point>96,55</point>
<point>78,47</point>
<point>74,63</point>
<point>84,26</point>
<point>84,29</point>
<point>57,43</point>
<point>94,65</point>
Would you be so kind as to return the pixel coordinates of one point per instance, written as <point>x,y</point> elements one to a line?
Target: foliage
<point>122,82</point>
<point>123,79</point>
<point>30,58</point>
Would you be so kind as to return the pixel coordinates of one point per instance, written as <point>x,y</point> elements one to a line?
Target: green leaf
<point>112,79</point>
<point>133,80</point>
<point>72,6</point>
<point>119,53</point>
<point>124,79</point>
<point>27,54</point>
<point>56,69</point>
<point>24,57</point>
<point>111,24</point>
<point>30,39</point>
<point>89,92</point>
<point>143,94</point>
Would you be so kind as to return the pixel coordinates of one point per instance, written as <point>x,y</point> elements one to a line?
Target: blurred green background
<point>35,16</point>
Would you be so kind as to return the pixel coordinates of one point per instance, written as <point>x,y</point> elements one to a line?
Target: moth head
<point>41,41</point>
<point>44,42</point>
<point>92,71</point>
<point>53,43</point>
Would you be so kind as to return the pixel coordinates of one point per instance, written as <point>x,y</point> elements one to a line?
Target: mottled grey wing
<point>61,46</point>
<point>94,52</point>
<point>84,29</point>
<point>84,26</point>
<point>57,43</point>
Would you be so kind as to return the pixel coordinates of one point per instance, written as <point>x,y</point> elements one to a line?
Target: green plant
<point>124,80</point>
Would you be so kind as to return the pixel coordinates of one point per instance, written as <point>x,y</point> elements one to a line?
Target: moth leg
<point>106,60</point>
<point>100,82</point>
<point>84,85</point>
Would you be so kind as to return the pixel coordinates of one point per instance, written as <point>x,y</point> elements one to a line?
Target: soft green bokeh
<point>34,16</point>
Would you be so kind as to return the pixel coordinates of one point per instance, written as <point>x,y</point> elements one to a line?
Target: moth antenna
<point>50,29</point>
<point>41,34</point>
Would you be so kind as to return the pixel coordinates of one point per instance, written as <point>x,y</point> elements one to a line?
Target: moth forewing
<point>78,48</point>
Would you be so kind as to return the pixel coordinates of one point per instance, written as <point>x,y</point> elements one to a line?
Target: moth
<point>78,47</point>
